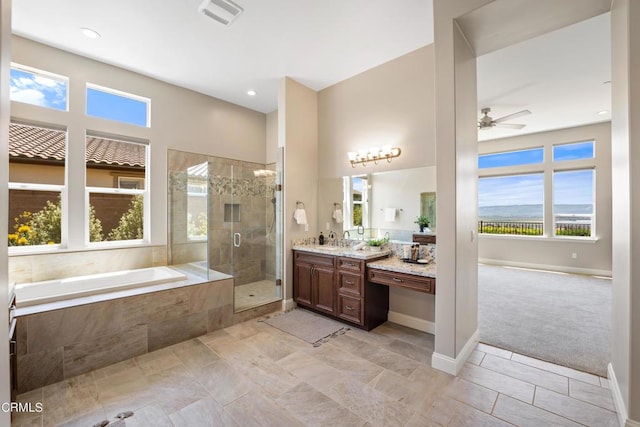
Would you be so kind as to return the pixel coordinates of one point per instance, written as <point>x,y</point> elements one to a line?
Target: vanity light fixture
<point>374,155</point>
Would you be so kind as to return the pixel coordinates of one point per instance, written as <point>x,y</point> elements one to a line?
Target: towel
<point>337,215</point>
<point>300,215</point>
<point>390,214</point>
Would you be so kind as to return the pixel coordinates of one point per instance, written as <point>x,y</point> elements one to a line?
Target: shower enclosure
<point>225,221</point>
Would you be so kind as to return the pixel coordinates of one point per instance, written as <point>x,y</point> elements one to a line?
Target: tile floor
<point>253,374</point>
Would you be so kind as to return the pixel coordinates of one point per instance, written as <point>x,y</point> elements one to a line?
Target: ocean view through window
<point>511,191</point>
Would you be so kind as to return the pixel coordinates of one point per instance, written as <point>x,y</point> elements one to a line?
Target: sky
<point>50,92</point>
<point>570,187</point>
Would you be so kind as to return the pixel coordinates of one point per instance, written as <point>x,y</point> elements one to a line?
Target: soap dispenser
<point>321,239</point>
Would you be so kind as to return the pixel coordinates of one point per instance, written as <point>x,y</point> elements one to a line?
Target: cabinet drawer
<point>350,308</point>
<point>315,259</point>
<point>408,281</point>
<point>350,264</point>
<point>350,283</point>
<point>424,239</point>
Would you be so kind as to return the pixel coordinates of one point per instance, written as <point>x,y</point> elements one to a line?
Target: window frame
<point>122,94</point>
<point>47,74</point>
<point>548,168</point>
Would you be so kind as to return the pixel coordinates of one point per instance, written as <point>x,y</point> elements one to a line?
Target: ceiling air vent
<point>223,11</point>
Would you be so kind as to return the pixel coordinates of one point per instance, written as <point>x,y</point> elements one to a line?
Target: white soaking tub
<point>29,294</point>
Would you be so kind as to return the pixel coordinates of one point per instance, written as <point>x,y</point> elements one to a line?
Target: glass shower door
<point>252,214</point>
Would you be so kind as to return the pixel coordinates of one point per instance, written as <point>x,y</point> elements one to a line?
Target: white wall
<point>555,253</point>
<point>624,370</point>
<point>5,60</point>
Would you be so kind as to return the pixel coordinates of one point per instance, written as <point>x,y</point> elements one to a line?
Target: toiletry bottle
<point>321,239</point>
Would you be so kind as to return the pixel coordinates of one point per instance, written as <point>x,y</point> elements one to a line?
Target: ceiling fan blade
<point>510,125</point>
<point>512,116</point>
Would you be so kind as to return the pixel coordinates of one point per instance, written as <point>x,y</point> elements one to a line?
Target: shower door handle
<point>236,240</point>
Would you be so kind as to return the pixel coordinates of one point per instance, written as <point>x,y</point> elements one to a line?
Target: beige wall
<point>298,134</point>
<point>180,119</point>
<point>5,60</point>
<point>456,159</point>
<point>391,104</point>
<point>272,137</point>
<point>594,257</point>
<point>624,370</point>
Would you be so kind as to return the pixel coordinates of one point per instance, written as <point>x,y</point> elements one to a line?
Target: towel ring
<point>337,206</point>
<point>300,205</point>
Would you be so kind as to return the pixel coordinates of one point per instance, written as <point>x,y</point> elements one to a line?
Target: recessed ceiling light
<point>603,112</point>
<point>252,92</point>
<point>92,34</point>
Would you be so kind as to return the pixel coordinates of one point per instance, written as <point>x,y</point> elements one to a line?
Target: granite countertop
<point>342,251</point>
<point>399,266</point>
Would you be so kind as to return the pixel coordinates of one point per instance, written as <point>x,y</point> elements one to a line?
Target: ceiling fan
<point>487,122</point>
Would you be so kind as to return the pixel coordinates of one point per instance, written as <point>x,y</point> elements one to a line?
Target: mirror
<point>388,202</point>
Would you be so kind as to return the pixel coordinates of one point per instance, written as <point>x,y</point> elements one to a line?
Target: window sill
<point>540,238</point>
<point>98,246</point>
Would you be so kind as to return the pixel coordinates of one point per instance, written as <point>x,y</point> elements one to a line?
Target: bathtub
<point>48,291</point>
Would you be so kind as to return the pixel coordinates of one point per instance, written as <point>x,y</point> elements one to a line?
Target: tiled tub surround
<point>64,342</point>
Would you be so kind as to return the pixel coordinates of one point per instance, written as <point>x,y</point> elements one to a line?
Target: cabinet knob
<point>395,279</point>
<point>349,308</point>
<point>349,282</point>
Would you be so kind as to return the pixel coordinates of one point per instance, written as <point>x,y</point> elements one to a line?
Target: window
<point>574,151</point>
<point>514,203</point>
<point>37,87</point>
<point>115,105</point>
<point>511,158</point>
<point>511,204</point>
<point>115,213</point>
<point>573,200</point>
<point>359,200</point>
<point>36,185</point>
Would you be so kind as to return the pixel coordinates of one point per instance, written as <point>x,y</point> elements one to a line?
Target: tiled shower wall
<point>230,182</point>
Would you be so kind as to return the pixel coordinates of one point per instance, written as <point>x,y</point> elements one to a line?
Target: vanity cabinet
<point>314,279</point>
<point>424,239</point>
<point>338,286</point>
<point>403,280</point>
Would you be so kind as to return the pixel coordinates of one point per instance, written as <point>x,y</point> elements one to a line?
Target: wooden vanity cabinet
<point>314,281</point>
<point>424,239</point>
<point>338,286</point>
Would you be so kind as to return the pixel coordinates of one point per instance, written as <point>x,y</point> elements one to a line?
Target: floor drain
<point>251,295</point>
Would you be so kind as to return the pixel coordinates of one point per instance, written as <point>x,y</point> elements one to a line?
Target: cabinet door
<point>302,279</point>
<point>325,289</point>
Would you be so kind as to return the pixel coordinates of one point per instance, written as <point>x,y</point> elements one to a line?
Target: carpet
<point>306,325</point>
<point>560,318</point>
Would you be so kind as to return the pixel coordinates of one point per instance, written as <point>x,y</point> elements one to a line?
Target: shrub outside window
<point>36,185</point>
<point>115,212</point>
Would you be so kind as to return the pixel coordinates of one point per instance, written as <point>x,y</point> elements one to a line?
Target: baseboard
<point>559,268</point>
<point>288,304</point>
<point>454,366</point>
<point>618,401</point>
<point>412,322</point>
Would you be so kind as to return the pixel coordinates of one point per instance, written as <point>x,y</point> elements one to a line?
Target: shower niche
<point>225,221</point>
